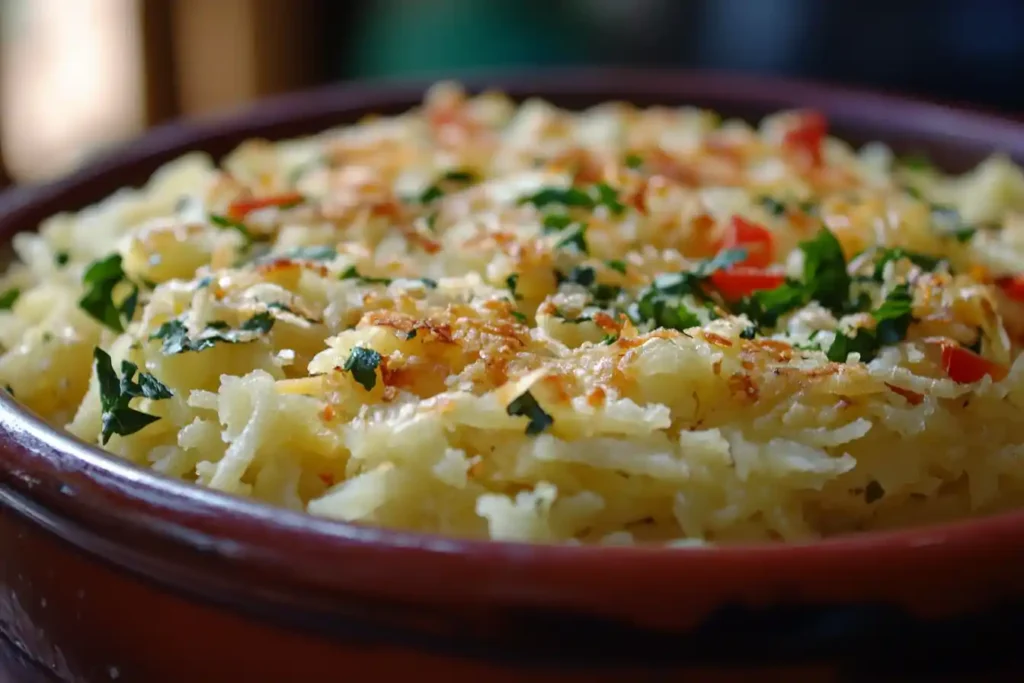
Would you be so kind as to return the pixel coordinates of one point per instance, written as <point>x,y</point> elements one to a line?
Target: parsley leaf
<point>560,314</point>
<point>862,342</point>
<point>527,406</point>
<point>100,279</point>
<point>580,275</point>
<point>575,237</point>
<point>569,196</point>
<point>519,316</point>
<point>363,364</point>
<point>352,273</point>
<point>513,281</point>
<point>175,337</point>
<point>8,298</point>
<point>892,319</point>
<point>601,194</point>
<point>617,265</point>
<point>825,275</point>
<point>749,332</point>
<point>604,194</point>
<point>445,182</point>
<point>556,222</point>
<point>772,205</point>
<point>231,224</point>
<point>661,302</point>
<point>61,258</point>
<point>634,161</point>
<point>922,261</point>
<point>765,307</point>
<point>116,394</point>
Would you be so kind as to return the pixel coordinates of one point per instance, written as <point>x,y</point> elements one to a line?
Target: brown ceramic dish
<point>109,572</point>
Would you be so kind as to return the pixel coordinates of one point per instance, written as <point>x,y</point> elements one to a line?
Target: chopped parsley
<point>512,281</point>
<point>363,364</point>
<point>634,161</point>
<point>560,314</point>
<point>8,298</point>
<point>922,261</point>
<point>227,223</point>
<point>527,406</point>
<point>556,222</point>
<point>772,206</point>
<point>445,183</point>
<point>600,194</point>
<point>661,303</point>
<point>617,265</point>
<point>892,319</point>
<point>825,275</point>
<point>575,238</point>
<point>949,223</point>
<point>556,196</point>
<point>586,276</point>
<point>749,332</point>
<point>116,395</point>
<point>580,275</point>
<point>520,317</point>
<point>610,339</point>
<point>352,273</point>
<point>9,389</point>
<point>61,258</point>
<point>100,279</point>
<point>825,280</point>
<point>175,337</point>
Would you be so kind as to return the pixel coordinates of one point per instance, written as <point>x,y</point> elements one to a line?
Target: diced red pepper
<point>807,134</point>
<point>740,281</point>
<point>1013,287</point>
<point>756,239</point>
<point>243,207</point>
<point>964,366</point>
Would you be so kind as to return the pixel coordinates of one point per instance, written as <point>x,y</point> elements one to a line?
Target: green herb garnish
<point>892,319</point>
<point>922,261</point>
<point>363,364</point>
<point>556,222</point>
<point>576,238</point>
<point>8,298</point>
<point>352,273</point>
<point>116,394</point>
<point>772,205</point>
<point>600,194</point>
<point>231,224</point>
<point>444,183</point>
<point>527,406</point>
<point>100,279</point>
<point>512,282</point>
<point>634,161</point>
<point>175,337</point>
<point>617,265</point>
<point>61,258</point>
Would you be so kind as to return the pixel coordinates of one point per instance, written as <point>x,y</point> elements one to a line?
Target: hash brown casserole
<point>510,321</point>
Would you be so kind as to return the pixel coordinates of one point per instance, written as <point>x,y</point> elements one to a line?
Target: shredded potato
<point>510,321</point>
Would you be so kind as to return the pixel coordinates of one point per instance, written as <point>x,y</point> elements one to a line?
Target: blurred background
<point>77,76</point>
